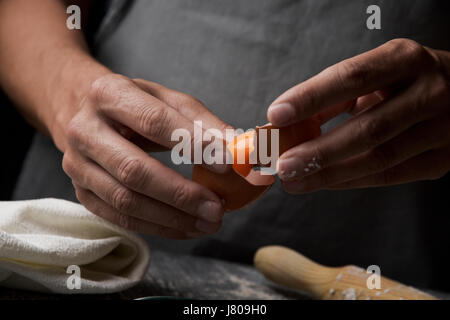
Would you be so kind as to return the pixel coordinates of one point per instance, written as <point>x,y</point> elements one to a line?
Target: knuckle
<point>181,196</point>
<point>68,165</point>
<point>131,172</point>
<point>104,87</point>
<point>122,199</point>
<point>99,89</point>
<point>412,51</point>
<point>75,132</point>
<point>371,130</point>
<point>75,171</point>
<point>352,74</point>
<point>320,159</point>
<point>154,121</point>
<point>126,222</point>
<point>406,46</point>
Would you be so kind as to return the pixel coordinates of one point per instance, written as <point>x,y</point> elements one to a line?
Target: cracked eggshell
<point>242,185</point>
<point>235,190</point>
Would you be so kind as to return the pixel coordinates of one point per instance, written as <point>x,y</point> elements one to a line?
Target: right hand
<point>105,156</point>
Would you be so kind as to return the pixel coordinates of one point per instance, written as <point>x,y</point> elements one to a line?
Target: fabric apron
<point>237,57</point>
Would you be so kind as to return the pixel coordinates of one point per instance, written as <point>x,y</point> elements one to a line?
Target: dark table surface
<point>188,277</point>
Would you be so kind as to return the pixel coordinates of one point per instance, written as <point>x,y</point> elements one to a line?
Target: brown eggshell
<point>241,187</point>
<point>230,186</point>
<point>246,143</point>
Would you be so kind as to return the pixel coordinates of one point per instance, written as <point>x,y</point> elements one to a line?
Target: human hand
<point>120,119</point>
<point>399,97</point>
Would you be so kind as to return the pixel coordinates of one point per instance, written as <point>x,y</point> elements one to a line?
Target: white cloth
<point>40,239</point>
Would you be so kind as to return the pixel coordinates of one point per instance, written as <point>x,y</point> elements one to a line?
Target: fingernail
<point>210,211</point>
<point>205,226</point>
<point>195,235</point>
<point>288,169</point>
<point>281,114</point>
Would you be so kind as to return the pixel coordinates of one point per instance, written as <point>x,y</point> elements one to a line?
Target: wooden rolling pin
<point>288,268</point>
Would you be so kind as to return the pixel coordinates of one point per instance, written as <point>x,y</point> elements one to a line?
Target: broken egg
<point>245,182</point>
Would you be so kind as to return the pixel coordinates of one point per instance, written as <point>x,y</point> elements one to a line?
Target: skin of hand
<point>119,120</point>
<point>104,124</point>
<point>399,97</point>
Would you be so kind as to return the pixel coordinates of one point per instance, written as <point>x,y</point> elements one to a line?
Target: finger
<point>90,176</point>
<point>195,111</point>
<point>397,60</point>
<point>353,107</point>
<point>188,106</point>
<point>418,168</point>
<point>368,101</point>
<point>327,114</point>
<point>148,116</point>
<point>133,168</point>
<point>414,141</point>
<point>137,139</point>
<point>103,210</point>
<point>357,135</point>
<point>139,111</point>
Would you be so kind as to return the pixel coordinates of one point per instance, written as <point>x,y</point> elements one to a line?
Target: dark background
<point>16,136</point>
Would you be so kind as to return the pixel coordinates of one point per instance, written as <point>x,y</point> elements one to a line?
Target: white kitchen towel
<point>58,246</point>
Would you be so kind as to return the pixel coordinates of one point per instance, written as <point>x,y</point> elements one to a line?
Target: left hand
<point>399,95</point>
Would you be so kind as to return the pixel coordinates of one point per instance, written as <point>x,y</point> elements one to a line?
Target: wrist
<point>72,84</point>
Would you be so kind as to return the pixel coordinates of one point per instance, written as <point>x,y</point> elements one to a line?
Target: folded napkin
<point>46,244</point>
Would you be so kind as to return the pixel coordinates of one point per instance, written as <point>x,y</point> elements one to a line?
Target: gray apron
<point>237,57</point>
